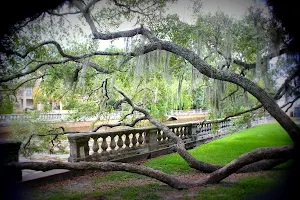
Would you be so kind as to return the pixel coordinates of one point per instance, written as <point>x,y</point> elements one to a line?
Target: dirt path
<point>90,183</point>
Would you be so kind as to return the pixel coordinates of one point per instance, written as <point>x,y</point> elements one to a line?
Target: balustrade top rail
<point>7,118</point>
<point>127,130</point>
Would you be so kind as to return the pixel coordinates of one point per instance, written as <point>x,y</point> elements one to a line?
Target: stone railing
<point>43,116</point>
<point>188,112</point>
<point>139,143</point>
<point>6,119</point>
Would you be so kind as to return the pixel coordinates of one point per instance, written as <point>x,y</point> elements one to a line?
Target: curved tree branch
<point>282,88</point>
<point>248,66</point>
<point>291,103</point>
<point>171,180</point>
<point>63,54</point>
<point>63,14</point>
<point>267,101</point>
<point>18,75</point>
<point>232,93</point>
<point>248,158</point>
<point>132,124</point>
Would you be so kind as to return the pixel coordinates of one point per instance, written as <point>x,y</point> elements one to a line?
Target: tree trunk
<point>171,180</point>
<point>249,158</point>
<point>248,121</point>
<point>266,100</point>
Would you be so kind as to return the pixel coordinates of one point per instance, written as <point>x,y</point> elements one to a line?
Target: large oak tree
<point>25,55</point>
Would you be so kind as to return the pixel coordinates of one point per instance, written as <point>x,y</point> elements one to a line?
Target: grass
<point>245,187</point>
<point>220,151</point>
<point>115,176</point>
<point>226,149</point>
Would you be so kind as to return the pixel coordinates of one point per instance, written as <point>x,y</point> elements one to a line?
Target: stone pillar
<point>75,145</point>
<point>24,100</point>
<point>193,129</point>
<point>60,106</point>
<point>9,152</point>
<point>151,139</point>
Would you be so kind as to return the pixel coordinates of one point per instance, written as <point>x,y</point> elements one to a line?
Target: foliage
<point>6,106</point>
<point>174,83</point>
<point>30,125</point>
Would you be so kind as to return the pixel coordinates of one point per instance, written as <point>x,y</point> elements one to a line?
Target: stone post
<point>151,139</point>
<point>9,152</point>
<point>76,143</point>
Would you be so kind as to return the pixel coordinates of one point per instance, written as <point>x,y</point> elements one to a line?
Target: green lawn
<point>220,151</point>
<point>224,150</point>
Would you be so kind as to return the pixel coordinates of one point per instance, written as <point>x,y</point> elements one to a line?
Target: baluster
<point>204,129</point>
<point>134,140</point>
<point>159,137</point>
<point>188,131</point>
<point>179,132</point>
<point>120,142</point>
<point>112,144</point>
<point>164,137</point>
<point>127,142</point>
<point>95,145</point>
<point>104,145</point>
<point>140,138</point>
<point>183,134</point>
<point>176,131</point>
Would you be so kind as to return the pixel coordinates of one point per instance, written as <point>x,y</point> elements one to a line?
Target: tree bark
<point>266,100</point>
<point>171,180</point>
<point>248,158</point>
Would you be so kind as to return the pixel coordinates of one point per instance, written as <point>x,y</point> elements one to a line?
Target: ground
<point>122,185</point>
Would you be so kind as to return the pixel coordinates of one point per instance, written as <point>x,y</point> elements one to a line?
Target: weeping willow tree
<point>228,44</point>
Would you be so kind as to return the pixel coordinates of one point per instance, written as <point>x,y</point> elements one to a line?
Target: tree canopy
<point>165,63</point>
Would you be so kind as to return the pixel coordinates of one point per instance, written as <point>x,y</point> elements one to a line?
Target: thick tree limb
<point>63,14</point>
<point>132,124</point>
<point>63,54</point>
<point>291,103</point>
<point>171,180</point>
<point>129,9</point>
<point>51,132</point>
<point>26,81</point>
<point>245,65</point>
<point>18,75</point>
<point>114,35</point>
<point>179,144</point>
<point>232,93</point>
<point>248,66</point>
<point>282,88</point>
<point>248,158</point>
<point>267,101</point>
<point>262,165</point>
<point>97,67</point>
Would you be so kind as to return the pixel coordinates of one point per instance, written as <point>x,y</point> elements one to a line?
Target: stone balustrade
<point>6,119</point>
<point>139,143</point>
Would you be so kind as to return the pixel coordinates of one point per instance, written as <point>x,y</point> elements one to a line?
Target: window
<point>29,91</point>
